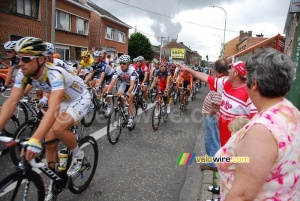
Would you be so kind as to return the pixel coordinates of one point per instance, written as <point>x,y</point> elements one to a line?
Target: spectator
<point>210,110</point>
<point>271,139</point>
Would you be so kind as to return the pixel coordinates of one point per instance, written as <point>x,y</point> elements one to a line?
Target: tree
<point>139,45</point>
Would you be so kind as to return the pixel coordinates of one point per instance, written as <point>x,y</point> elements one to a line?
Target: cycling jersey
<point>100,68</point>
<point>64,65</point>
<point>76,99</point>
<point>186,78</point>
<point>87,64</point>
<point>54,78</point>
<point>163,78</point>
<point>126,76</point>
<point>142,70</point>
<point>14,62</point>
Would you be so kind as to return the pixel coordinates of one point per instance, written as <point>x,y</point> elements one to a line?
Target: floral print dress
<point>283,182</point>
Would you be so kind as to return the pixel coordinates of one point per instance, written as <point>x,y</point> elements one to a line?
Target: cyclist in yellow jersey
<point>86,61</point>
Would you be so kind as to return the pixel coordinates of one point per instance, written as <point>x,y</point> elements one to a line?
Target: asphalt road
<point>142,165</point>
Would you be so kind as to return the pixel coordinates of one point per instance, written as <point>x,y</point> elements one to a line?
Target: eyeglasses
<point>27,59</point>
<point>122,63</point>
<point>8,51</point>
<point>85,57</point>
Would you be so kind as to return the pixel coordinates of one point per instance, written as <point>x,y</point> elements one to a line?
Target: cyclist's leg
<point>144,89</point>
<point>131,105</point>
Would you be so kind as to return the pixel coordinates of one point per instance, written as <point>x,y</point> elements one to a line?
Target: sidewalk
<point>197,181</point>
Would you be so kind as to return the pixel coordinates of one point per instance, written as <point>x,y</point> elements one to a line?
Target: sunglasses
<point>85,57</point>
<point>8,51</point>
<point>27,59</point>
<point>122,63</point>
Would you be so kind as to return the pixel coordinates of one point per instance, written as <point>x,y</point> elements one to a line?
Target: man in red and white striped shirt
<point>210,110</point>
<point>235,99</point>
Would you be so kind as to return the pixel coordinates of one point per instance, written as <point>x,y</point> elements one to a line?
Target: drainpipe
<point>46,19</point>
<point>53,22</point>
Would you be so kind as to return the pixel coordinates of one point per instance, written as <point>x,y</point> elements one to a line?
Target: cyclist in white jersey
<point>68,102</point>
<point>129,85</point>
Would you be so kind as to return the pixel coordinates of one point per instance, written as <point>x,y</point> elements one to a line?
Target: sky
<point>197,25</point>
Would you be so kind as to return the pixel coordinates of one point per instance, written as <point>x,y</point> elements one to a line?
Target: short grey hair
<point>272,70</point>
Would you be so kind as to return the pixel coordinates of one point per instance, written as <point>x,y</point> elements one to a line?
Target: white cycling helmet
<point>98,53</point>
<point>124,58</point>
<point>49,49</point>
<point>10,45</point>
<point>140,58</point>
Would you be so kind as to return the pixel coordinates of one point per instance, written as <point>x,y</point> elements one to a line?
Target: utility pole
<point>161,44</point>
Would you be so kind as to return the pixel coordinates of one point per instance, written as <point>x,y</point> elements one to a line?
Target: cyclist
<point>102,73</point>
<point>68,103</point>
<point>154,69</point>
<point>86,61</point>
<point>143,71</point>
<point>186,79</point>
<point>14,62</point>
<point>164,78</point>
<point>128,86</point>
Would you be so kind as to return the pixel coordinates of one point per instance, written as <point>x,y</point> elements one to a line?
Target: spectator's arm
<point>262,151</point>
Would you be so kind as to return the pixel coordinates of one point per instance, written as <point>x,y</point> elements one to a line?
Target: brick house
<point>21,18</point>
<point>108,32</point>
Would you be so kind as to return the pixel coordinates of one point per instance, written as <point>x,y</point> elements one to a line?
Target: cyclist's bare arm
<point>145,77</point>
<point>8,76</point>
<point>111,85</point>
<point>199,75</point>
<point>168,82</point>
<point>89,77</point>
<point>10,105</point>
<point>52,113</point>
<point>101,79</point>
<point>154,82</point>
<point>79,69</point>
<point>27,89</point>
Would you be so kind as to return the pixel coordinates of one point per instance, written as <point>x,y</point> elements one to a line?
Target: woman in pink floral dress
<point>271,139</point>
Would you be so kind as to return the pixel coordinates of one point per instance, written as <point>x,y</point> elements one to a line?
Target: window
<point>109,33</point>
<point>82,26</point>
<point>63,20</point>
<point>24,7</point>
<point>64,52</point>
<point>121,37</point>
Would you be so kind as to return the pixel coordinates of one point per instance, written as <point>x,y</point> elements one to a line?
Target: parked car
<point>4,69</point>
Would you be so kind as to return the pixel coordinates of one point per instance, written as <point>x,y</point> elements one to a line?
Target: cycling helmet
<point>50,49</point>
<point>163,63</point>
<point>140,58</point>
<point>124,58</point>
<point>134,60</point>
<point>85,54</point>
<point>155,61</point>
<point>98,53</point>
<point>10,45</point>
<point>31,45</point>
<point>57,56</point>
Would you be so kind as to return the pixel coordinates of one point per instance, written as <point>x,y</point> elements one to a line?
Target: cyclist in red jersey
<point>164,78</point>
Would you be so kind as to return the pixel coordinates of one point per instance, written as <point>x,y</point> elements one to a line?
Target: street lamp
<point>224,27</point>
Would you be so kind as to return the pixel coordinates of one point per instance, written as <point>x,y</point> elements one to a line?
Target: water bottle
<point>63,160</point>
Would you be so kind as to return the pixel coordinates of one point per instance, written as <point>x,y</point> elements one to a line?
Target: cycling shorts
<point>77,108</point>
<point>124,87</point>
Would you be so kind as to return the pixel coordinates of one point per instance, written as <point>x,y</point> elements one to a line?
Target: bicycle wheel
<point>17,186</point>
<point>156,115</point>
<point>23,133</point>
<point>153,95</point>
<point>80,182</point>
<point>21,113</point>
<point>164,113</point>
<point>114,126</point>
<point>88,119</point>
<point>8,131</point>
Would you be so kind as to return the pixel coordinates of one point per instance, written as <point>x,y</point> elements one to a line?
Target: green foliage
<point>139,45</point>
<point>203,63</point>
